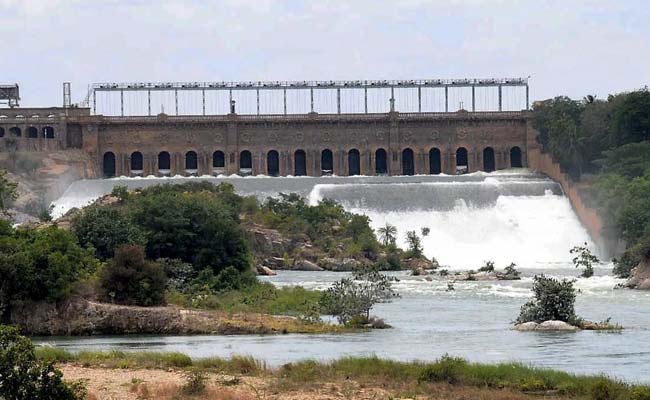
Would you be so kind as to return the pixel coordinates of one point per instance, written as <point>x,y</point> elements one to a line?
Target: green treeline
<point>606,143</point>
<point>183,244</point>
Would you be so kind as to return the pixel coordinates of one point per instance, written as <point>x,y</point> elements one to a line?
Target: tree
<point>584,259</point>
<point>553,300</point>
<point>631,122</point>
<point>414,244</point>
<point>351,299</point>
<point>488,267</point>
<point>130,279</point>
<point>23,377</point>
<point>387,234</point>
<point>8,192</point>
<point>196,227</point>
<point>103,229</point>
<point>40,265</point>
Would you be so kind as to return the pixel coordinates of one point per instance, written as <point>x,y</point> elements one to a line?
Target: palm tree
<point>387,234</point>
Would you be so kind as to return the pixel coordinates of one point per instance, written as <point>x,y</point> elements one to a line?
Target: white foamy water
<point>529,230</point>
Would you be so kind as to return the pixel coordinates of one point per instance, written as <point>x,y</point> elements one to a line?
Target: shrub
<point>640,393</point>
<point>553,300</point>
<point>121,192</point>
<point>447,369</point>
<point>8,192</point>
<point>103,229</point>
<point>584,259</point>
<point>179,274</point>
<point>39,265</point>
<point>414,244</point>
<point>23,377</point>
<point>352,298</point>
<point>511,272</point>
<point>488,267</point>
<point>195,382</point>
<point>130,279</point>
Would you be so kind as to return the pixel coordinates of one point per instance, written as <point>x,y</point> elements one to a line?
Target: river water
<point>512,216</point>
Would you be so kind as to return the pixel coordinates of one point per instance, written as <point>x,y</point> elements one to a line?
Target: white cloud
<point>573,47</point>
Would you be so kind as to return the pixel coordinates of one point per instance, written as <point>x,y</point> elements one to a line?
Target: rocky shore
<point>82,317</point>
<point>640,276</point>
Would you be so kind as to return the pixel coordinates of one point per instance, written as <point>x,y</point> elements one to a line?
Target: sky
<point>571,48</point>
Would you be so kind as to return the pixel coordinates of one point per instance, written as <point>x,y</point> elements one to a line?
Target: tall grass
<point>416,375</point>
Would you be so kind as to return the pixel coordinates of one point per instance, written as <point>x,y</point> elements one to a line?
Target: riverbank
<point>82,317</point>
<point>118,375</point>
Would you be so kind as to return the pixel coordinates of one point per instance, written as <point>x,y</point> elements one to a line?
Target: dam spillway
<point>506,216</point>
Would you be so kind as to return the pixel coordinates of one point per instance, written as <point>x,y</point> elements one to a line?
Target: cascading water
<point>511,216</point>
<point>506,217</point>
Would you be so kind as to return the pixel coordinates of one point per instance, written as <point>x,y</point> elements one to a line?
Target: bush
<point>584,259</point>
<point>352,299</point>
<point>179,274</point>
<point>447,369</point>
<point>414,244</point>
<point>488,267</point>
<point>553,300</point>
<point>39,265</point>
<point>130,279</point>
<point>23,377</point>
<point>103,229</point>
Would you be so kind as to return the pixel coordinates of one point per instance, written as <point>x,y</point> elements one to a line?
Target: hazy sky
<point>567,47</point>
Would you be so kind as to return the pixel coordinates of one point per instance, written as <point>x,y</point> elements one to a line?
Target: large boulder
<point>640,276</point>
<point>263,270</point>
<point>339,264</point>
<point>546,326</point>
<point>306,265</point>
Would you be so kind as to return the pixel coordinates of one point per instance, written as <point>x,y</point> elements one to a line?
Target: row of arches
<point>191,162</point>
<point>32,132</point>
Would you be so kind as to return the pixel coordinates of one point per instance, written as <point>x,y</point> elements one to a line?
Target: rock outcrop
<point>546,326</point>
<point>640,276</point>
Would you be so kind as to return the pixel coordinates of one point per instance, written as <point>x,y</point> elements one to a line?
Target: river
<point>512,216</point>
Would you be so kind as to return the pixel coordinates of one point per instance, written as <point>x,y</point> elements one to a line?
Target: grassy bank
<point>454,375</point>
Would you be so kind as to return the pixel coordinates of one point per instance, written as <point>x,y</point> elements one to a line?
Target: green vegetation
<point>8,192</point>
<point>415,377</point>
<point>611,139</point>
<point>329,227</point>
<point>186,245</point>
<point>511,272</point>
<point>585,259</point>
<point>553,300</point>
<point>24,377</point>
<point>351,299</point>
<point>488,267</point>
<point>130,279</point>
<point>39,264</point>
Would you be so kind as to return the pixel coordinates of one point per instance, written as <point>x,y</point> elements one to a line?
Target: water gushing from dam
<point>512,216</point>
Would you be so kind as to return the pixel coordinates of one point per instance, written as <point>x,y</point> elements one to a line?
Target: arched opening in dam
<point>408,164</point>
<point>2,132</point>
<point>488,159</point>
<point>435,164</point>
<point>191,163</point>
<point>15,131</point>
<point>218,162</point>
<point>137,163</point>
<point>164,163</point>
<point>300,163</point>
<point>272,163</point>
<point>108,165</point>
<point>381,165</point>
<point>515,158</point>
<point>245,163</point>
<point>32,132</point>
<point>354,162</point>
<point>48,132</point>
<point>326,162</point>
<point>462,165</point>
